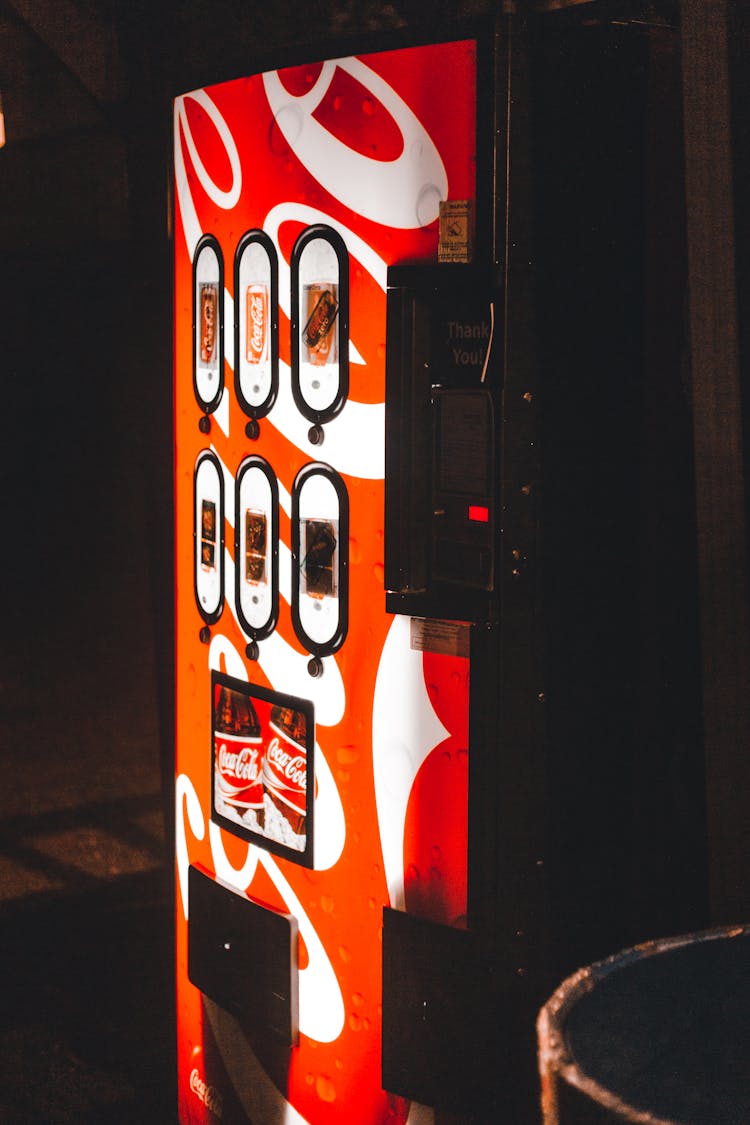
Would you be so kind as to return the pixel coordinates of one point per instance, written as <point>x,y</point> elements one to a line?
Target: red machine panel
<point>322,744</point>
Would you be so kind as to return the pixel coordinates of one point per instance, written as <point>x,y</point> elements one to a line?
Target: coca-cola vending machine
<point>338,340</point>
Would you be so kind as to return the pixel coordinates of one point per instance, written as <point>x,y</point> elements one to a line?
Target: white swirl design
<point>405,729</point>
<point>403,193</point>
<point>186,796</point>
<point>321,1005</point>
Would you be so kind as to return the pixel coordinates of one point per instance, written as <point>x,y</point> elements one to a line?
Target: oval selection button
<point>256,537</point>
<point>209,537</point>
<point>320,559</point>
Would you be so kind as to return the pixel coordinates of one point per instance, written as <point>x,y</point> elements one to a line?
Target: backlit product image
<point>208,325</point>
<point>237,757</point>
<point>208,535</point>
<point>255,546</point>
<point>256,322</point>
<point>318,335</point>
<point>318,564</point>
<point>262,756</point>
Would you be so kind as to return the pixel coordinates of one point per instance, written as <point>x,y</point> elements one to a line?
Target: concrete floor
<point>85,898</point>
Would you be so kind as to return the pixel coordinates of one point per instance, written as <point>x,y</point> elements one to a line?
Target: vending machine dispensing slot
<point>208,323</point>
<point>243,956</point>
<point>441,453</point>
<point>262,753</point>
<point>437,1015</point>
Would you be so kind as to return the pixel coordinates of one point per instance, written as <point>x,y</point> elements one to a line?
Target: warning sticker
<point>455,241</point>
<point>446,638</point>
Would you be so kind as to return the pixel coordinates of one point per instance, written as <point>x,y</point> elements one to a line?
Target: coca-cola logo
<point>209,1095</point>
<point>293,767</point>
<point>244,765</point>
<point>257,323</point>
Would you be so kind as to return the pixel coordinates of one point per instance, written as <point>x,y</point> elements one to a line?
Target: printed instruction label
<point>454,240</point>
<point>446,638</point>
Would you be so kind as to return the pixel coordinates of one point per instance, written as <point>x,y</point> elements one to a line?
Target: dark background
<point>85,340</point>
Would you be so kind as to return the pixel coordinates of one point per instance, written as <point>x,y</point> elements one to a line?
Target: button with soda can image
<point>208,535</point>
<point>323,308</point>
<point>209,308</point>
<point>317,563</point>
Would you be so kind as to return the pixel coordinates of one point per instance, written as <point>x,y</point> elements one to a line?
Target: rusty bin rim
<point>555,1055</point>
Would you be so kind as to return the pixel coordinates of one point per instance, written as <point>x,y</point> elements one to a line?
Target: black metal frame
<point>314,647</point>
<point>256,462</point>
<point>208,455</point>
<point>341,324</point>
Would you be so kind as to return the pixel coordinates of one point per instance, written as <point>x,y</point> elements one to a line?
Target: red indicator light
<point>479,513</point>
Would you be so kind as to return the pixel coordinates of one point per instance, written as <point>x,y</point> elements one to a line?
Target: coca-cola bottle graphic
<point>238,758</point>
<point>285,777</point>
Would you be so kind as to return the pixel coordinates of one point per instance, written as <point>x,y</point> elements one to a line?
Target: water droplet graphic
<point>325,1088</point>
<point>326,904</point>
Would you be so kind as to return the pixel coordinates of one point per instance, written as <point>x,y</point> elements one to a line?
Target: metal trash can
<point>658,1034</point>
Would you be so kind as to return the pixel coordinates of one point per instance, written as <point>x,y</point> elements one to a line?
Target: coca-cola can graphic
<point>209,310</point>
<point>238,758</point>
<point>285,777</point>
<point>318,336</point>
<point>256,321</point>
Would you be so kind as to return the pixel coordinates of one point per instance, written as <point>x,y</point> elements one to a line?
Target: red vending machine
<point>338,358</point>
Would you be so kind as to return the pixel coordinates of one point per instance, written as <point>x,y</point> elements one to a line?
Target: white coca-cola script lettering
<point>258,324</point>
<point>292,767</point>
<point>245,765</point>
<point>209,1095</point>
<point>403,193</point>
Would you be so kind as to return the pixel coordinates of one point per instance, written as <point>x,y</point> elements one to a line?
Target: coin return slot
<point>243,956</point>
